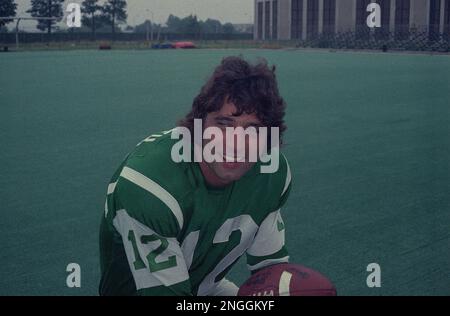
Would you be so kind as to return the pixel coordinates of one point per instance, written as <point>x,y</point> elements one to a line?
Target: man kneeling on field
<point>177,227</point>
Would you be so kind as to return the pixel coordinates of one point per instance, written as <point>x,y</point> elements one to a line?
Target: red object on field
<point>104,46</point>
<point>184,45</point>
<point>286,279</point>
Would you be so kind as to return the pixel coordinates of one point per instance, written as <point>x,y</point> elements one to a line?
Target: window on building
<point>296,19</point>
<point>329,16</point>
<point>383,31</point>
<point>435,17</point>
<point>260,21</point>
<point>312,18</point>
<point>361,28</point>
<point>402,8</point>
<point>267,20</point>
<point>275,19</point>
<point>447,19</point>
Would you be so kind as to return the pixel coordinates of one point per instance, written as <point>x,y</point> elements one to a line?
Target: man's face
<point>227,172</point>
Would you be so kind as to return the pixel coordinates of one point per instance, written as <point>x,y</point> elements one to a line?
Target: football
<point>287,279</point>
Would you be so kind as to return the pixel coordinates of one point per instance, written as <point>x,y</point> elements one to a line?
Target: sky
<point>233,11</point>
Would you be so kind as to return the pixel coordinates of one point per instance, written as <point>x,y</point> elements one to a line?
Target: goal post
<point>18,19</point>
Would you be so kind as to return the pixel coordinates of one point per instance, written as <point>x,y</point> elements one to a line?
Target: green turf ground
<point>368,142</point>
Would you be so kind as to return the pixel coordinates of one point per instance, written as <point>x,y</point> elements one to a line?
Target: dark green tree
<point>142,28</point>
<point>173,24</point>
<point>91,18</point>
<point>228,28</point>
<point>114,11</point>
<point>211,26</point>
<point>190,25</point>
<point>187,25</point>
<point>46,8</point>
<point>7,8</point>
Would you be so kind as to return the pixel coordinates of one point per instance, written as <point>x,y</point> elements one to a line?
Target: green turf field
<point>368,143</point>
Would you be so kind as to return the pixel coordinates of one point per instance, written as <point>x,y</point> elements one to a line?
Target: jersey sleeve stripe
<point>106,208</point>
<point>155,189</point>
<point>111,187</point>
<point>135,250</point>
<point>288,176</point>
<point>268,262</point>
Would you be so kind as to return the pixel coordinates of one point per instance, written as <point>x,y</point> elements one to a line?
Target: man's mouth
<point>232,159</point>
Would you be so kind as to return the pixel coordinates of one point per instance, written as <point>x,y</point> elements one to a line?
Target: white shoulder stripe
<point>111,187</point>
<point>268,262</point>
<point>155,189</point>
<point>106,208</point>
<point>288,176</point>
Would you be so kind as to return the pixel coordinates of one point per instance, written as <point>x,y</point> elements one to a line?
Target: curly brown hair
<point>251,88</point>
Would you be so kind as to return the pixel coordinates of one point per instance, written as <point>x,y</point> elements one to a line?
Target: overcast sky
<point>234,11</point>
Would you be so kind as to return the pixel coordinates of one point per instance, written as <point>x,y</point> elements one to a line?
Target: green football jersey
<point>166,232</point>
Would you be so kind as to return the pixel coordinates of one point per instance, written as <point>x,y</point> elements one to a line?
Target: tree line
<point>94,15</point>
<point>7,8</point>
<point>112,12</point>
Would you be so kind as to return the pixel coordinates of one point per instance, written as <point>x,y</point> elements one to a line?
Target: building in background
<point>308,19</point>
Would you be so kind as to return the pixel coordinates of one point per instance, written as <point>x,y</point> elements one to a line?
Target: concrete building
<point>305,19</point>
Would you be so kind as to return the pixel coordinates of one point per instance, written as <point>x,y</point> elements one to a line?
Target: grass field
<point>145,45</point>
<point>368,143</point>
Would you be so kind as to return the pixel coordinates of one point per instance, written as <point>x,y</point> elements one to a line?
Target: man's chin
<point>231,174</point>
